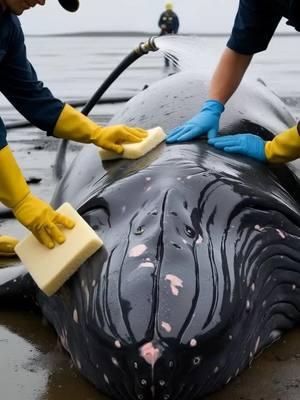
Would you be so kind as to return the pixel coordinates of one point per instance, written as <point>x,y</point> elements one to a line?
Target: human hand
<point>7,246</point>
<point>205,122</point>
<point>243,143</point>
<point>112,137</point>
<point>42,220</point>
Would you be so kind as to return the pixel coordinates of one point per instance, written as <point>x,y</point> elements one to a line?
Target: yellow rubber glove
<point>7,246</point>
<point>284,147</point>
<point>73,125</point>
<point>36,215</point>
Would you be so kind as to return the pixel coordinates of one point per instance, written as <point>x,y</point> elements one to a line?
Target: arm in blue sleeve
<point>20,85</point>
<point>254,26</point>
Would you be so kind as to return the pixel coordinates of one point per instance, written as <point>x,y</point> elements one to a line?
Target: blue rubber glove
<point>206,121</point>
<point>242,143</point>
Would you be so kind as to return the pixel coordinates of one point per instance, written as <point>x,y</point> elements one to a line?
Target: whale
<point>200,267</point>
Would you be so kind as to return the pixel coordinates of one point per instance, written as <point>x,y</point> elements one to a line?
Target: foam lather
<point>136,150</point>
<point>50,268</point>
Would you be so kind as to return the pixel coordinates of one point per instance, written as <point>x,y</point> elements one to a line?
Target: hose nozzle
<point>145,47</point>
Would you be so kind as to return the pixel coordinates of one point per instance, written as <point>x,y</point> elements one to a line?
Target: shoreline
<point>140,33</point>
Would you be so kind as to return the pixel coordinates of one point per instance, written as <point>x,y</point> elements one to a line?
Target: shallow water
<point>33,366</point>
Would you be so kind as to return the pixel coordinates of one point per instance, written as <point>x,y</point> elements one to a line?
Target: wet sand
<point>33,366</point>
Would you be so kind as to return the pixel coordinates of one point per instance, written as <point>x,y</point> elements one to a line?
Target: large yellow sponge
<point>136,150</point>
<point>51,268</point>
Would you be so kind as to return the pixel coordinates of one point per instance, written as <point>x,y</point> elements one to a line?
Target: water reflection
<point>33,366</point>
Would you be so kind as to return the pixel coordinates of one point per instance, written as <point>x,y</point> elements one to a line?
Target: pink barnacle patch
<point>280,233</point>
<point>175,283</point>
<point>137,250</point>
<point>75,316</point>
<point>146,264</point>
<point>199,240</point>
<point>258,228</point>
<point>167,327</point>
<point>149,353</point>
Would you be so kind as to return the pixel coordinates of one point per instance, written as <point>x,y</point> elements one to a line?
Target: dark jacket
<point>19,83</point>
<point>168,22</point>
<point>257,20</point>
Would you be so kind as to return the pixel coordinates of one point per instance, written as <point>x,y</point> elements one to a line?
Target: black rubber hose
<point>133,56</point>
<point>142,49</point>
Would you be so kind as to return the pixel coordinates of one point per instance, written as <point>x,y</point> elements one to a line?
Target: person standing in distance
<point>169,24</point>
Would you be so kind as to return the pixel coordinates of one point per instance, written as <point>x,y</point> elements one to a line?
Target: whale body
<point>200,268</point>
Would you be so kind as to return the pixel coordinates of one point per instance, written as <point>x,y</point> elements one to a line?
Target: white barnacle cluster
<point>75,315</point>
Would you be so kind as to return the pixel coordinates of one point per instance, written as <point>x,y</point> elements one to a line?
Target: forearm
<point>73,125</point>
<point>284,147</point>
<point>34,101</point>
<point>13,186</point>
<point>228,75</point>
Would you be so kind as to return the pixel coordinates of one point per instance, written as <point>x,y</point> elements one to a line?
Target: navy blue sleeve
<point>20,85</point>
<point>3,141</point>
<point>254,26</point>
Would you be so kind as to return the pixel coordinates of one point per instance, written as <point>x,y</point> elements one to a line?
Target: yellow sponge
<point>51,268</point>
<point>136,150</point>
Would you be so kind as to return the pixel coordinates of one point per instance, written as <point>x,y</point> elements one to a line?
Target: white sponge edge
<point>51,268</point>
<point>136,150</point>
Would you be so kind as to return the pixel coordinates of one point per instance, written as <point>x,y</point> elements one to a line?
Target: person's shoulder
<point>251,5</point>
<point>13,29</point>
<point>10,25</point>
<point>10,20</point>
<point>15,20</point>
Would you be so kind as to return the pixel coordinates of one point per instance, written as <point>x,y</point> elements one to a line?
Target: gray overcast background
<point>196,16</point>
